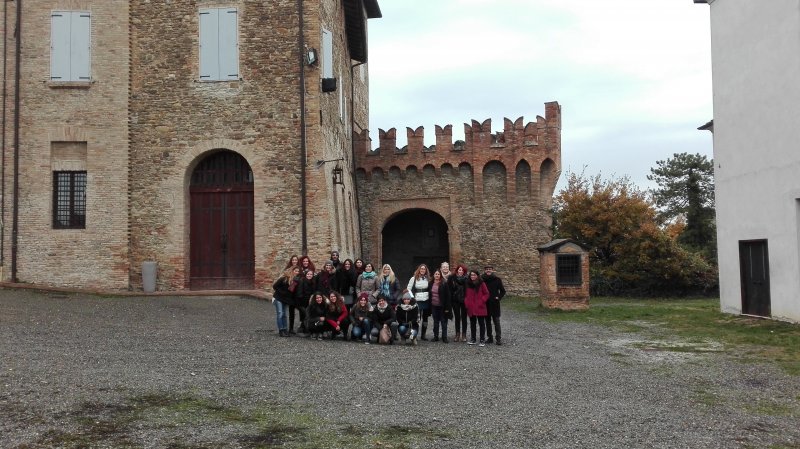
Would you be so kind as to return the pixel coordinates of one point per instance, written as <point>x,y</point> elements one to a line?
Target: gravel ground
<point>79,371</point>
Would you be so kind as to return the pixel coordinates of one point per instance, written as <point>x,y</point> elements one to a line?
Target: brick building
<point>172,131</point>
<point>217,138</point>
<point>482,200</point>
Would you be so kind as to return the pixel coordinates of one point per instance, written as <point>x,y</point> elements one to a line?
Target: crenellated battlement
<point>534,142</point>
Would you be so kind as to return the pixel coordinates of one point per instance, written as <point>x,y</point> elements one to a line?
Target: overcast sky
<point>633,77</point>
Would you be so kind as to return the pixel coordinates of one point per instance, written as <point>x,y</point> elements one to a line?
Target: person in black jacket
<point>283,298</point>
<point>346,282</point>
<point>457,285</point>
<point>407,314</point>
<point>496,293</point>
<point>302,295</point>
<point>441,303</point>
<point>383,316</point>
<point>325,281</point>
<point>315,316</point>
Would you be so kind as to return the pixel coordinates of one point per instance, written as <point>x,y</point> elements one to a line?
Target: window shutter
<point>327,54</point>
<point>209,44</point>
<point>60,45</point>
<point>228,44</point>
<point>80,46</point>
<point>341,104</point>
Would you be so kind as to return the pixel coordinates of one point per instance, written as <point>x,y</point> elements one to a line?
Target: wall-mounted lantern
<point>338,175</point>
<point>337,172</point>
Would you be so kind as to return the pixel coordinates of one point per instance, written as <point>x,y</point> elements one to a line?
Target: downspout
<point>3,137</point>
<point>301,44</point>
<point>15,213</point>
<point>353,151</point>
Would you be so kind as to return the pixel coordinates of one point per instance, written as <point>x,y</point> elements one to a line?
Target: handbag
<point>384,336</point>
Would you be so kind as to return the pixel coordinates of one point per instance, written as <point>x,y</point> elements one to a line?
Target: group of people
<point>351,300</point>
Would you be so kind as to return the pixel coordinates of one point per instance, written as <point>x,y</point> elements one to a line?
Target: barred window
<point>568,269</point>
<point>69,200</point>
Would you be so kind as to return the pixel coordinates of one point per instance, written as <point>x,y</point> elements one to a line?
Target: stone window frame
<point>568,269</point>
<point>69,211</point>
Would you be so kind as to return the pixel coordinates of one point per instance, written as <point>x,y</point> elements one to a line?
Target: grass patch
<point>694,320</point>
<point>706,398</point>
<point>771,408</point>
<point>187,421</point>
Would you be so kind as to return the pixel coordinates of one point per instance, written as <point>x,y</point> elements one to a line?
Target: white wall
<point>756,76</point>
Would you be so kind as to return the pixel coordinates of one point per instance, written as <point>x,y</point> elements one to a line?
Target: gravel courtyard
<point>211,372</point>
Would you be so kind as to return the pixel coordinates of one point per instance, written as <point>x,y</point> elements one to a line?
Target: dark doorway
<point>414,237</point>
<point>221,224</point>
<point>754,265</point>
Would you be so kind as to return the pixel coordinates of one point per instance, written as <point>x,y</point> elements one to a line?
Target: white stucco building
<point>755,48</point>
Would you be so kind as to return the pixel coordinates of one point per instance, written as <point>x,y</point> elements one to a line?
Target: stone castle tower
<point>482,200</point>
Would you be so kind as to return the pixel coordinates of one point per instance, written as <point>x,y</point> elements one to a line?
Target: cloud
<point>633,78</point>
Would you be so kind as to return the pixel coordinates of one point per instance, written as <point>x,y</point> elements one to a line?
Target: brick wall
<point>70,126</point>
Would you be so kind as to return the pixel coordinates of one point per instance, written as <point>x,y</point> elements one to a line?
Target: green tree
<point>630,252</point>
<point>686,190</point>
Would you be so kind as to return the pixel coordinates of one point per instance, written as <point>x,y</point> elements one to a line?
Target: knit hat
<point>363,295</point>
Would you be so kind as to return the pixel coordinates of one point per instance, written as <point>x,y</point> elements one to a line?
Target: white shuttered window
<point>219,44</point>
<point>70,46</point>
<point>327,54</point>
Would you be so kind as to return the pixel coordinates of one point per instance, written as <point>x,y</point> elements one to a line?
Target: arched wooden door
<point>222,251</point>
<point>414,237</point>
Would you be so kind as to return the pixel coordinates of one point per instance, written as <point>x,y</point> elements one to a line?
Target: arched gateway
<point>222,252</point>
<point>413,237</point>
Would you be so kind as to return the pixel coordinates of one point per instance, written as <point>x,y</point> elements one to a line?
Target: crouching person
<point>407,316</point>
<point>383,317</point>
<point>360,316</point>
<point>336,315</point>
<point>315,316</point>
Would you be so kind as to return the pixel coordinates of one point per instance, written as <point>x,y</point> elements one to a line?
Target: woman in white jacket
<point>420,287</point>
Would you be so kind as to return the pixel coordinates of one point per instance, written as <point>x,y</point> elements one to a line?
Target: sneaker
<point>414,341</point>
<point>319,336</point>
<point>490,340</point>
<point>498,342</point>
<point>366,342</point>
<point>471,342</point>
<point>481,344</point>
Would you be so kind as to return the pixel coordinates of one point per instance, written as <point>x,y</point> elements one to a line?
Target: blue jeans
<point>362,328</point>
<point>405,329</point>
<point>280,315</point>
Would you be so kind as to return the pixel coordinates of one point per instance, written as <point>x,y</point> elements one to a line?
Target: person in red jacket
<point>475,296</point>
<point>336,316</point>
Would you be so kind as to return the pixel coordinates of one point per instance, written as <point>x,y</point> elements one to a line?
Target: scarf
<point>385,286</point>
<point>407,307</point>
<point>368,274</point>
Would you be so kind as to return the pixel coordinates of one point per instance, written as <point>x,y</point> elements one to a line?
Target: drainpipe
<point>353,151</point>
<point>15,219</point>
<point>3,137</point>
<point>301,45</point>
